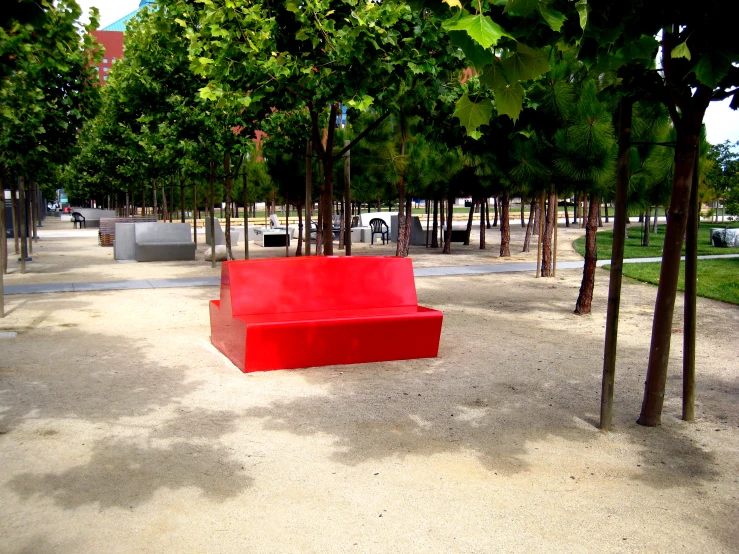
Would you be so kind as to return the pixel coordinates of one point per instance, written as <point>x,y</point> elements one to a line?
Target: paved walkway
<point>215,281</point>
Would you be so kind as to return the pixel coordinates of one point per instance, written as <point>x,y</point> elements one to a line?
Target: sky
<point>722,123</point>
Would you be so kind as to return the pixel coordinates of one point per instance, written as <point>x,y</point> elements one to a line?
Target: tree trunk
<point>287,226</point>
<point>15,216</point>
<point>487,214</point>
<point>347,200</point>
<point>442,220</point>
<point>617,263</point>
<point>540,214</point>
<point>495,210</point>
<point>567,214</point>
<point>29,221</point>
<point>407,230</point>
<point>523,220</point>
<point>547,257</point>
<point>585,298</point>
<point>605,207</point>
<point>195,213</point>
<point>401,204</point>
<point>645,227</point>
<point>470,217</point>
<point>576,209</point>
<point>449,215</point>
<point>155,205</point>
<point>537,217</point>
<point>3,228</point>
<point>34,210</point>
<point>656,212</point>
<point>299,249</point>
<point>22,220</point>
<point>246,214</point>
<point>328,178</point>
<point>505,225</point>
<point>530,226</point>
<point>165,211</point>
<point>688,133</point>
<point>690,308</point>
<point>483,203</point>
<point>211,205</point>
<point>182,198</point>
<point>342,219</point>
<point>308,194</point>
<point>227,173</point>
<point>600,217</point>
<point>435,231</point>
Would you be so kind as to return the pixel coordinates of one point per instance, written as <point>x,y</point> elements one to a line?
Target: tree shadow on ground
<point>140,434</point>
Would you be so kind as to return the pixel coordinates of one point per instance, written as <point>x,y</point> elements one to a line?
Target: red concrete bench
<point>314,311</point>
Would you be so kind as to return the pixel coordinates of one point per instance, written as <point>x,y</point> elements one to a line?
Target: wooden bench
<point>315,311</point>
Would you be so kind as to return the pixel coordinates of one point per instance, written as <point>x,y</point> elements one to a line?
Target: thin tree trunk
<point>22,206</point>
<point>470,217</point>
<point>442,220</point>
<point>567,213</point>
<point>182,199</point>
<point>585,298</point>
<point>299,249</point>
<point>505,225</point>
<point>495,210</point>
<point>449,215</point>
<point>617,263</point>
<point>15,216</point>
<point>547,256</point>
<point>29,221</point>
<point>487,214</point>
<point>605,206</point>
<point>34,210</point>
<point>600,217</point>
<point>576,209</point>
<point>195,213</point>
<point>645,227</point>
<point>154,196</point>
<point>407,231</point>
<point>530,226</point>
<point>287,226</point>
<point>556,230</point>
<point>229,184</point>
<point>165,210</point>
<point>347,200</point>
<point>656,212</point>
<point>246,214</point>
<point>328,178</point>
<point>523,221</point>
<point>342,228</point>
<point>540,214</point>
<point>401,204</point>
<point>690,308</point>
<point>308,194</point>
<point>212,206</point>
<point>435,231</point>
<point>483,203</point>
<point>3,228</point>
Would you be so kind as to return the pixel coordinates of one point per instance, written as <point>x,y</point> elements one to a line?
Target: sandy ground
<point>123,430</point>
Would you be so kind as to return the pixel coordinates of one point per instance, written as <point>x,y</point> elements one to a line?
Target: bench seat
<point>354,328</point>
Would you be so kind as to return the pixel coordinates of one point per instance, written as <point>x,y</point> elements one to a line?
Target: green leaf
<point>521,7</point>
<point>525,64</point>
<point>453,3</point>
<point>554,19</point>
<point>481,28</point>
<point>711,69</point>
<point>584,10</point>
<point>493,76</point>
<point>471,115</point>
<point>292,7</point>
<point>474,53</point>
<point>681,51</point>
<point>509,101</point>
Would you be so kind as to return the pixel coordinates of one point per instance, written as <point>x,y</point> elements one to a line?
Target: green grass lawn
<point>717,279</point>
<point>634,249</point>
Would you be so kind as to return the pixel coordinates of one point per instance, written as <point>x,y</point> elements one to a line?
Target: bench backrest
<point>312,284</point>
<point>162,232</point>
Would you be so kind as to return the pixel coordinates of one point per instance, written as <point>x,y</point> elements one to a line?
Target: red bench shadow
<point>313,311</point>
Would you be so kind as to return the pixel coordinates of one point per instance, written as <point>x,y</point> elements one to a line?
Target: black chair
<point>379,227</point>
<point>78,218</point>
